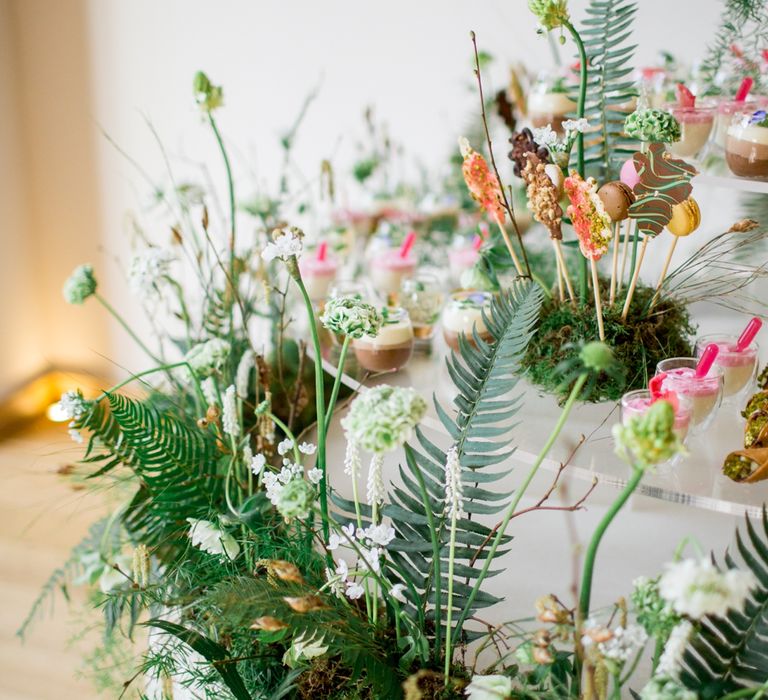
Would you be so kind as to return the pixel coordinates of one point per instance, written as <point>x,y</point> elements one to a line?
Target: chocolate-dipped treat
<point>522,144</point>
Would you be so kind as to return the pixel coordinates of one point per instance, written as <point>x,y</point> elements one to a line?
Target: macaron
<point>617,197</point>
<point>686,218</point>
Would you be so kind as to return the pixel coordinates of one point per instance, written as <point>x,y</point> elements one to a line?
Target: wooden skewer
<point>635,277</point>
<point>615,266</point>
<point>559,272</point>
<point>625,248</point>
<point>564,269</point>
<point>664,272</point>
<point>511,250</point>
<point>598,303</point>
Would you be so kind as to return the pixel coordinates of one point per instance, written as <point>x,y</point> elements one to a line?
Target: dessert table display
<point>517,324</point>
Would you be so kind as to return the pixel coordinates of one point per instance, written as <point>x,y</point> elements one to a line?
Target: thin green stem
<point>572,397</point>
<point>319,395</point>
<point>449,606</point>
<point>754,693</point>
<point>337,382</point>
<point>589,559</point>
<point>126,327</point>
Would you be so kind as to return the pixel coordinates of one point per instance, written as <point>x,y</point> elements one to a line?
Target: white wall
<point>86,64</point>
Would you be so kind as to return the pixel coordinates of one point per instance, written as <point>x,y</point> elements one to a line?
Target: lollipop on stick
<point>617,197</point>
<point>593,228</point>
<point>686,218</point>
<point>543,189</point>
<point>484,187</point>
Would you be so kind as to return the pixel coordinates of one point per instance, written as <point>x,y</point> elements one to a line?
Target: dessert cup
<point>695,127</point>
<point>726,109</point>
<point>739,368</point>
<point>704,393</point>
<point>636,403</point>
<point>318,277</point>
<point>391,349</point>
<point>746,145</point>
<point>460,258</point>
<point>422,297</point>
<point>548,102</point>
<point>464,312</point>
<point>388,270</point>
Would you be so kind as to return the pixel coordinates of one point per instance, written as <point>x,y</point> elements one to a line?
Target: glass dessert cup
<point>746,146</point>
<point>726,109</point>
<point>695,127</point>
<point>739,368</point>
<point>461,257</point>
<point>636,403</point>
<point>462,314</point>
<point>548,102</point>
<point>422,297</point>
<point>391,349</point>
<point>318,277</point>
<point>388,270</point>
<point>704,393</point>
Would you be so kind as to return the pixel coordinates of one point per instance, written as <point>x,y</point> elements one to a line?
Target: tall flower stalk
<point>454,507</point>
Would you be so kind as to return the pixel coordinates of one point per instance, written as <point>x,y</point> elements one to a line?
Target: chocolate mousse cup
<point>739,368</point>
<point>391,349</point>
<point>462,314</point>
<point>746,146</point>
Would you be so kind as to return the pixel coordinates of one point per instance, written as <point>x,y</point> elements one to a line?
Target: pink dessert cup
<point>388,270</point>
<point>705,393</point>
<point>739,368</point>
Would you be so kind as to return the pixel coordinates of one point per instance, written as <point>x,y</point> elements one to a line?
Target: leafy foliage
<point>609,85</point>
<point>731,653</point>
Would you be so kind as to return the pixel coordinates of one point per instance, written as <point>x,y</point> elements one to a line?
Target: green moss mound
<point>639,343</point>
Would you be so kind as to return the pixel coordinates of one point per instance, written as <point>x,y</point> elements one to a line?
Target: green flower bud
<point>597,356</point>
<point>80,285</point>
<point>550,13</point>
<point>295,499</point>
<point>207,95</point>
<point>352,317</point>
<point>649,439</point>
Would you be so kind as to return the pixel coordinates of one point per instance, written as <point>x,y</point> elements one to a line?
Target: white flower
<point>354,590</point>
<point>489,688</point>
<point>257,464</point>
<point>208,537</point>
<point>371,559</point>
<point>75,435</point>
<point>71,405</point>
<point>208,357</point>
<point>454,489</point>
<point>342,570</point>
<point>285,447</point>
<point>334,541</point>
<point>381,534</point>
<point>375,488</point>
<point>697,588</point>
<point>352,317</point>
<point>113,578</point>
<point>671,659</point>
<point>623,644</point>
<point>397,592</point>
<point>243,374</point>
<point>352,459</point>
<point>315,475</point>
<point>545,136</point>
<point>335,585</point>
<point>307,448</point>
<point>230,423</point>
<point>303,648</point>
<point>285,244</point>
<point>80,285</point>
<point>576,125</point>
<point>208,387</point>
<point>148,270</point>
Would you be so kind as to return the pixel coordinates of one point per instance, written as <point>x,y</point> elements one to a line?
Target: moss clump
<point>638,343</point>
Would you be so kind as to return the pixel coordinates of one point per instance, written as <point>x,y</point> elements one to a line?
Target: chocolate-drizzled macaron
<point>686,218</point>
<point>617,198</point>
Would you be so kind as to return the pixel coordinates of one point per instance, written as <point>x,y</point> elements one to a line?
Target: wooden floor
<point>41,518</point>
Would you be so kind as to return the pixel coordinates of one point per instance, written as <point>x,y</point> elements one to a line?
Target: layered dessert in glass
<point>391,349</point>
<point>705,393</point>
<point>462,314</point>
<point>388,269</point>
<point>746,145</point>
<point>636,403</point>
<point>726,109</point>
<point>739,368</point>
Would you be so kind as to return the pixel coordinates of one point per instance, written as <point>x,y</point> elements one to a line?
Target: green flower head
<point>651,610</point>
<point>207,95</point>
<point>80,285</point>
<point>382,418</point>
<point>654,125</point>
<point>209,357</point>
<point>666,688</point>
<point>550,13</point>
<point>649,439</point>
<point>352,317</point>
<point>295,499</point>
<point>597,356</point>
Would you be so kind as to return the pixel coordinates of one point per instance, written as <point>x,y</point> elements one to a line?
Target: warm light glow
<point>56,413</point>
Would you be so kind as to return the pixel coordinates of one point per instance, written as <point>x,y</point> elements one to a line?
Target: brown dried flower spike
<point>542,196</point>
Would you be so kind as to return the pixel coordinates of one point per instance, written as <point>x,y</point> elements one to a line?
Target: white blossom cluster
<point>148,271</point>
<point>619,644</point>
<point>230,422</point>
<point>208,357</point>
<point>672,657</point>
<point>275,482</point>
<point>697,588</point>
<point>286,244</point>
<point>454,489</point>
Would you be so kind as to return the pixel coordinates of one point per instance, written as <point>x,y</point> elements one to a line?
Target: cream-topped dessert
<point>746,145</point>
<point>318,276</point>
<point>388,269</point>
<point>391,348</point>
<point>704,393</point>
<point>724,118</point>
<point>695,127</point>
<point>464,312</point>
<point>460,259</point>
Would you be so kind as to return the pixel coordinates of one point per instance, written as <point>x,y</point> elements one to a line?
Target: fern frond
<point>609,85</point>
<point>730,654</point>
